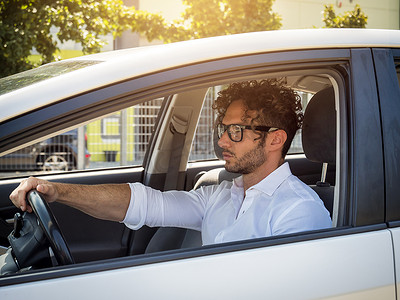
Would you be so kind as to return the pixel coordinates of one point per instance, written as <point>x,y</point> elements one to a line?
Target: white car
<point>349,81</point>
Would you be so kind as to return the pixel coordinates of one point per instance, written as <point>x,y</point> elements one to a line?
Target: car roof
<point>106,68</point>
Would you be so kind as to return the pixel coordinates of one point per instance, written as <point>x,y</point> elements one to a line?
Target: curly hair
<point>275,105</point>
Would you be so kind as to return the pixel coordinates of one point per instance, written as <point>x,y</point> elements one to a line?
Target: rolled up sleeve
<point>167,209</point>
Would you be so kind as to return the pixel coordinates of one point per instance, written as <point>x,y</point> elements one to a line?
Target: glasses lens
<point>220,130</point>
<point>235,133</point>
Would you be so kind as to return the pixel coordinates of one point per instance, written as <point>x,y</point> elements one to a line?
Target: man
<point>256,125</point>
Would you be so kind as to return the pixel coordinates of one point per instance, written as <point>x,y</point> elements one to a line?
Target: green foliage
<point>206,18</point>
<point>25,25</point>
<point>351,19</point>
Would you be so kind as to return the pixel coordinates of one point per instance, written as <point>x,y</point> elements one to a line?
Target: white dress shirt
<point>279,204</point>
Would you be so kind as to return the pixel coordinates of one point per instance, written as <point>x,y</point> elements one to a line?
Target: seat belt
<point>167,238</point>
<point>178,128</point>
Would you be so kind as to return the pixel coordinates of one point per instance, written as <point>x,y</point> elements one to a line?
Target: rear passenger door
<point>387,65</point>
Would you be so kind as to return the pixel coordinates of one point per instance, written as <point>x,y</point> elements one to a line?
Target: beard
<point>248,162</point>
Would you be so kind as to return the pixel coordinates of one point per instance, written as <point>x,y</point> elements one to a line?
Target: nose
<point>224,141</point>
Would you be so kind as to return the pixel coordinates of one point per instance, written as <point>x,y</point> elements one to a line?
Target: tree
<point>351,19</point>
<point>206,18</point>
<point>25,25</point>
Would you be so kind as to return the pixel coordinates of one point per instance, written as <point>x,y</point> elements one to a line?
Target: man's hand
<point>104,201</point>
<point>18,196</point>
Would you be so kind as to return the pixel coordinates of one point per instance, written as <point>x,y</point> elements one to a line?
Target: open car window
<point>118,139</point>
<point>130,137</point>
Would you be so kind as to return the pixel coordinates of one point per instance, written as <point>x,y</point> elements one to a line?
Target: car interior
<point>167,165</point>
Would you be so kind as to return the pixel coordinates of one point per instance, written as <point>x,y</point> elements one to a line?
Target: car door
<point>327,268</point>
<point>353,259</point>
<point>388,74</point>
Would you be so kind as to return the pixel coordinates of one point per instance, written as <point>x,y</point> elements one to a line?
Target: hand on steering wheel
<point>50,227</point>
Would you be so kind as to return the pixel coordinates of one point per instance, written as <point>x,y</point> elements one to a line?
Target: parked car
<point>59,153</point>
<point>349,80</point>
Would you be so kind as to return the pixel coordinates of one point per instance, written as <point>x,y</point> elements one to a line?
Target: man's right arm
<point>105,201</point>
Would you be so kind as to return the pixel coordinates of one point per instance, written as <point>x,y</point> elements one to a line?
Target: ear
<point>278,139</point>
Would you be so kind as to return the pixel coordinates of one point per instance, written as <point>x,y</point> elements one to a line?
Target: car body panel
<point>396,252</point>
<point>256,274</point>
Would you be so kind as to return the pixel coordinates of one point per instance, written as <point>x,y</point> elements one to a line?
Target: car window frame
<point>364,143</point>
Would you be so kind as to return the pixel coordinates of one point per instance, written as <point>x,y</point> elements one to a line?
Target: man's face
<point>246,156</point>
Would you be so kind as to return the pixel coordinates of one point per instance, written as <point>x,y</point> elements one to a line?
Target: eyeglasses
<point>235,131</point>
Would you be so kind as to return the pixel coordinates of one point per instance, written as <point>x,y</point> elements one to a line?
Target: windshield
<point>23,79</point>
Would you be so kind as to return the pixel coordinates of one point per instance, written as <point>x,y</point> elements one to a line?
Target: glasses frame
<point>221,128</point>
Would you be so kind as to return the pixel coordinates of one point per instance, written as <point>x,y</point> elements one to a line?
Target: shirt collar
<point>237,187</point>
<point>270,183</point>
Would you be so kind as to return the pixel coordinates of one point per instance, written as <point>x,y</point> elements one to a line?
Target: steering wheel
<point>50,227</point>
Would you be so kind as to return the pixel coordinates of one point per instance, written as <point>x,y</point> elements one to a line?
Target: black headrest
<point>319,127</point>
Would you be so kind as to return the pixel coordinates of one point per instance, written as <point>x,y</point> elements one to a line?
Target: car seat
<point>319,139</point>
